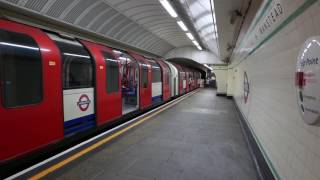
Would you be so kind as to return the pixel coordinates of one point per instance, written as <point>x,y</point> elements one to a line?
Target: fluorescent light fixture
<point>200,48</point>
<point>117,52</point>
<point>195,43</point>
<point>123,58</point>
<point>183,27</point>
<point>208,67</point>
<point>190,36</point>
<point>169,8</point>
<point>76,55</point>
<point>20,46</point>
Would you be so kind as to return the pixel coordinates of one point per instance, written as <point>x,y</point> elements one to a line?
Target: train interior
<point>129,83</point>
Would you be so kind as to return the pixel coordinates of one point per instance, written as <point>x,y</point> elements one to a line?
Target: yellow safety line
<point>99,143</point>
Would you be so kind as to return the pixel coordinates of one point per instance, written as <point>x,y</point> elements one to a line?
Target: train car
<point>187,77</point>
<point>166,74</point>
<point>157,88</point>
<point>31,90</point>
<point>174,80</point>
<point>108,83</point>
<point>182,79</point>
<point>145,87</point>
<point>54,86</point>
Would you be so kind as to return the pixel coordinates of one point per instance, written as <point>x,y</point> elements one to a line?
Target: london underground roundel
<point>83,102</point>
<point>308,81</point>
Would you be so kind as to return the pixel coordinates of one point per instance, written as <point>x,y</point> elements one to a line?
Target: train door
<point>173,79</point>
<point>77,83</point>
<point>146,81</point>
<point>129,72</point>
<point>166,76</point>
<point>156,82</point>
<point>108,83</point>
<point>30,90</point>
<point>187,75</point>
<point>181,79</point>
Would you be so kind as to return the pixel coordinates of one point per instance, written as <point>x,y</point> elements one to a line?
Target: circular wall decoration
<point>308,81</point>
<point>246,87</point>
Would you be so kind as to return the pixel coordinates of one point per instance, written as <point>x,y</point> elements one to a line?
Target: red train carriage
<point>31,92</point>
<point>166,93</point>
<point>156,87</point>
<point>108,83</point>
<point>182,79</point>
<point>146,81</point>
<point>187,77</point>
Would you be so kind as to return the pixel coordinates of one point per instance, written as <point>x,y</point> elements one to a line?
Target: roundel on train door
<point>83,102</point>
<point>308,81</point>
<point>246,87</point>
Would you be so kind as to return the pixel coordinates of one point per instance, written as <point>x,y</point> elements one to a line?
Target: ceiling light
<point>208,67</point>
<point>200,48</point>
<point>190,36</point>
<point>117,52</point>
<point>169,8</point>
<point>183,27</point>
<point>195,43</point>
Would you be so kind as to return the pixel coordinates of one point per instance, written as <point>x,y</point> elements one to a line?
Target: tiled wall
<point>292,146</point>
<point>221,74</point>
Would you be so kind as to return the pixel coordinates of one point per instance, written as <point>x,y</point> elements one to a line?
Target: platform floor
<point>197,139</point>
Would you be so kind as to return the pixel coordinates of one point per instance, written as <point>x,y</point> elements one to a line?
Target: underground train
<point>54,86</point>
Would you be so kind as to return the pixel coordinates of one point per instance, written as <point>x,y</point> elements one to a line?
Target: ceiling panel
<point>145,24</point>
<point>202,18</point>
<point>153,17</point>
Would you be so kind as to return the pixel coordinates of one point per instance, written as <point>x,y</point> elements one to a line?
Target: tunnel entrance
<point>210,81</point>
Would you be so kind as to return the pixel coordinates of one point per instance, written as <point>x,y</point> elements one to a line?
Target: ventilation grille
<point>77,10</point>
<point>36,5</point>
<point>102,19</point>
<point>98,9</point>
<point>58,8</point>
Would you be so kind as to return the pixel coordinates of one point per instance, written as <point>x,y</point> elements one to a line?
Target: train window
<point>21,69</point>
<point>112,73</point>
<point>144,75</point>
<point>156,73</point>
<point>77,64</point>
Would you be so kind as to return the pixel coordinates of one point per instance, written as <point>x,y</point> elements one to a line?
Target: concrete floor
<point>198,139</point>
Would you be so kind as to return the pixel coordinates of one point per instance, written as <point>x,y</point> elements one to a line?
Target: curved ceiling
<point>203,20</point>
<point>144,24</point>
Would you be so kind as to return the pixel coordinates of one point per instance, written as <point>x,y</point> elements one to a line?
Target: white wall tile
<point>272,111</point>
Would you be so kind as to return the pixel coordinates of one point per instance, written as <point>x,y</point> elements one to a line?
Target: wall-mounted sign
<point>308,81</point>
<point>246,87</point>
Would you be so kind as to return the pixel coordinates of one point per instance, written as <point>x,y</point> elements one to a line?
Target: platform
<point>198,138</point>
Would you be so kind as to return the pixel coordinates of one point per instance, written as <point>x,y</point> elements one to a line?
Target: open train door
<point>166,74</point>
<point>145,81</point>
